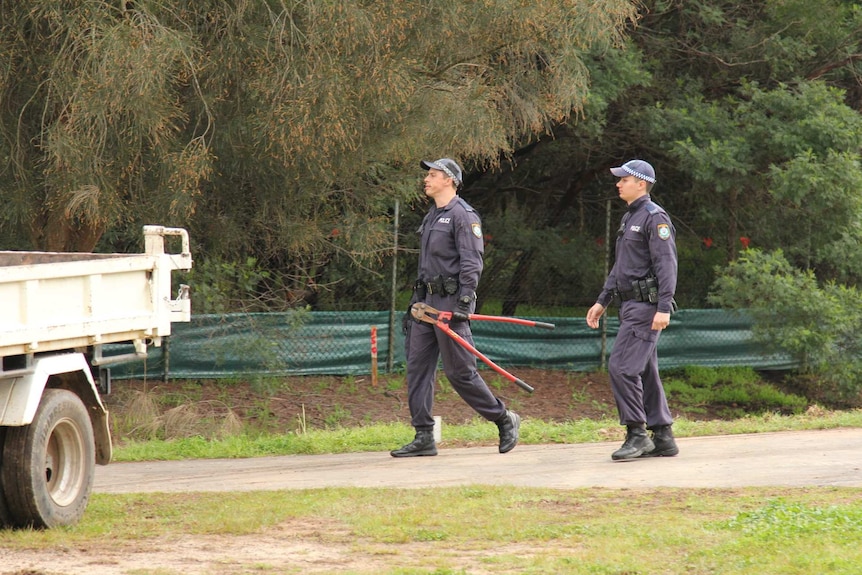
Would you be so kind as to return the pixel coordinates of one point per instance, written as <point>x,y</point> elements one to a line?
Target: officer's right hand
<point>594,314</point>
<point>462,310</point>
<point>458,316</point>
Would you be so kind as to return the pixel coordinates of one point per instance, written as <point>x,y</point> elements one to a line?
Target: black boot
<point>509,425</point>
<point>423,444</point>
<point>665,444</point>
<point>637,443</point>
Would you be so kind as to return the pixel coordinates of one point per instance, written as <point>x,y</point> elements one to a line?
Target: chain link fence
<point>340,343</point>
<point>321,324</point>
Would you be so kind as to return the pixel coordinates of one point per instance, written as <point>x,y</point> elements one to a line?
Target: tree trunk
<point>56,233</point>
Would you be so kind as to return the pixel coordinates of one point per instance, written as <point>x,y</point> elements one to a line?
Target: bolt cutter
<point>423,312</point>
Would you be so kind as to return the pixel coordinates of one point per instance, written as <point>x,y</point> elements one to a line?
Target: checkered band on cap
<point>650,179</point>
<point>449,172</point>
<point>445,165</point>
<point>637,168</point>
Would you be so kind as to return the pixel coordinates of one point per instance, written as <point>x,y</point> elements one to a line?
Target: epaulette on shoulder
<point>464,203</point>
<point>654,208</point>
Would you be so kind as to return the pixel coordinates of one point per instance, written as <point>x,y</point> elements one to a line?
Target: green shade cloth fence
<point>339,343</point>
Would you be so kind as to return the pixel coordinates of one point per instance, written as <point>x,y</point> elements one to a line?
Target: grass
<point>179,424</point>
<point>470,529</point>
<point>383,437</point>
<point>479,529</point>
<point>731,391</point>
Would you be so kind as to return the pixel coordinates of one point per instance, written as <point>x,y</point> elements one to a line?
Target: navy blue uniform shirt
<point>452,245</point>
<point>646,245</point>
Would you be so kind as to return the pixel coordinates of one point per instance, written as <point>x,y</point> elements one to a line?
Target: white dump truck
<point>57,311</point>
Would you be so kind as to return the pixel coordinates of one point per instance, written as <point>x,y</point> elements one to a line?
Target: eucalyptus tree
<point>343,98</point>
<point>94,126</point>
<point>281,130</point>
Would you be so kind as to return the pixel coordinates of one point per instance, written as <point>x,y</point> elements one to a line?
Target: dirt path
<point>786,459</point>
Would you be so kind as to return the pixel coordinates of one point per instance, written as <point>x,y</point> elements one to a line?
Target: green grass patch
<point>384,437</point>
<point>478,529</point>
<point>731,391</point>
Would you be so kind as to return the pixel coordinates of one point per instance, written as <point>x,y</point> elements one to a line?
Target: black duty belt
<point>627,295</point>
<point>438,285</point>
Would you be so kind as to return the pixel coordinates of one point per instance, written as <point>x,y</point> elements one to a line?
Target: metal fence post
<point>390,357</point>
<point>166,359</point>
<point>603,361</point>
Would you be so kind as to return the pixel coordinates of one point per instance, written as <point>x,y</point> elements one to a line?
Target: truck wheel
<point>5,518</point>
<point>49,465</point>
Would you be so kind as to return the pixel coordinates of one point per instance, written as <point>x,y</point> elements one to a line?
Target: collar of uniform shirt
<point>638,203</point>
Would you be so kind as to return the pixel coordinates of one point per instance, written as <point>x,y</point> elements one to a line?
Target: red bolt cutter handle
<point>517,320</point>
<point>466,345</point>
<point>420,311</point>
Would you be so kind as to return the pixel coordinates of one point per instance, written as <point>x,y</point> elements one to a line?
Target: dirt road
<point>799,458</point>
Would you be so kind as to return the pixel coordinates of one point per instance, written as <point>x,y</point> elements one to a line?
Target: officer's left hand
<point>462,312</point>
<point>593,315</point>
<point>660,321</point>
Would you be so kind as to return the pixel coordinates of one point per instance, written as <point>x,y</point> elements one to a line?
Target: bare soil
<point>558,396</point>
<point>328,401</point>
<point>319,402</point>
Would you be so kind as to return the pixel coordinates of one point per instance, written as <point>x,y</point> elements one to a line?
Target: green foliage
<point>732,392</point>
<point>697,264</point>
<point>284,132</point>
<point>279,131</point>
<point>745,109</point>
<point>525,263</point>
<point>95,120</point>
<point>336,417</point>
<point>227,286</point>
<point>788,151</point>
<point>817,325</point>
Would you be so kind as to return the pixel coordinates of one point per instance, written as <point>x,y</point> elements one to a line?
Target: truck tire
<point>5,518</point>
<point>49,465</point>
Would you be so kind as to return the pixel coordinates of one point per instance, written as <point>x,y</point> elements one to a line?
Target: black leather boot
<point>509,425</point>
<point>423,444</point>
<point>665,444</point>
<point>637,444</point>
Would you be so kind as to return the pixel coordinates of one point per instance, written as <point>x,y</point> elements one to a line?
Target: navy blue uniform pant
<point>633,368</point>
<point>425,346</point>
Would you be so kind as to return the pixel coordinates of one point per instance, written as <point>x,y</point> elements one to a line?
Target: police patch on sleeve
<point>663,231</point>
<point>477,230</point>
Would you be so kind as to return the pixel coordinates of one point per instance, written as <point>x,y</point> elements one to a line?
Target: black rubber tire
<point>49,465</point>
<point>5,518</point>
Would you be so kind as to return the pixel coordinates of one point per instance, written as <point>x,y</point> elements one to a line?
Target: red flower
<point>707,242</point>
<point>745,241</point>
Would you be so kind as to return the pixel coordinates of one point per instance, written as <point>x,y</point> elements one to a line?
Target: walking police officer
<point>450,264</point>
<point>643,280</point>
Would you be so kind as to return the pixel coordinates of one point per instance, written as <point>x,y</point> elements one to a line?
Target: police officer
<point>643,279</point>
<point>450,263</point>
